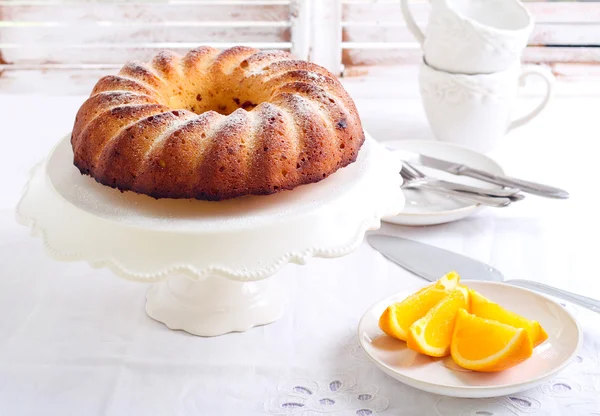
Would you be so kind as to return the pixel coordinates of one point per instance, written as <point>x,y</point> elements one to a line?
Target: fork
<point>511,193</point>
<point>415,179</point>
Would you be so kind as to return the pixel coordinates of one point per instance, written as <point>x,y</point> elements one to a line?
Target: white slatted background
<point>72,33</point>
<point>374,33</point>
<point>53,41</point>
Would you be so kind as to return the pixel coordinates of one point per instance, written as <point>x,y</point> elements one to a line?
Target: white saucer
<point>424,207</point>
<point>443,376</point>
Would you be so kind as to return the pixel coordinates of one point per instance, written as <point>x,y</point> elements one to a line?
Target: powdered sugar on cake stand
<point>211,261</point>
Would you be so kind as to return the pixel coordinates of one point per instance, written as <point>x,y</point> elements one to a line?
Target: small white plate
<point>443,376</point>
<point>428,208</point>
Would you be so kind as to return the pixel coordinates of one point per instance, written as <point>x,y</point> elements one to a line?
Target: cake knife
<point>431,263</point>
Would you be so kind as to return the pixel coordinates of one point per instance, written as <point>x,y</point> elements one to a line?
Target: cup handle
<point>410,22</point>
<point>549,79</point>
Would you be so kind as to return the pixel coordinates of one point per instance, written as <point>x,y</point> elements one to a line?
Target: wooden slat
<point>300,24</point>
<point>109,53</point>
<point>54,82</point>
<point>326,34</point>
<point>396,54</point>
<point>575,71</point>
<point>396,32</point>
<point>566,34</point>
<point>404,74</point>
<point>95,34</point>
<point>543,12</point>
<point>561,55</point>
<point>564,12</point>
<point>145,12</point>
<point>392,56</point>
<point>382,12</point>
<point>543,33</point>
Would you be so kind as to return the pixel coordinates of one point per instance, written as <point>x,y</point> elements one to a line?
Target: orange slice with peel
<point>398,317</point>
<point>485,308</point>
<point>432,334</point>
<point>485,345</point>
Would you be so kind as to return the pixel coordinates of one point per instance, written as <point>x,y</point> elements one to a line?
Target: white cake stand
<point>210,261</point>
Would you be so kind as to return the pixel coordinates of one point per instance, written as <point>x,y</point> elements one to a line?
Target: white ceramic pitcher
<point>472,36</point>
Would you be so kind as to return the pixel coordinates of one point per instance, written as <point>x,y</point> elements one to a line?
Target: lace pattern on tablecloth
<point>339,395</point>
<point>574,392</point>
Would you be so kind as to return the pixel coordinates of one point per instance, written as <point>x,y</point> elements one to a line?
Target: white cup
<point>472,36</point>
<point>476,110</point>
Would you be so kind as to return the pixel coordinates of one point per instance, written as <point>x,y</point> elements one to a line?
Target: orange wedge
<point>465,291</point>
<point>485,308</point>
<point>397,318</point>
<point>484,345</point>
<point>431,335</point>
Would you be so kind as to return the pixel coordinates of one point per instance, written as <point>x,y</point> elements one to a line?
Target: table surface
<point>76,341</point>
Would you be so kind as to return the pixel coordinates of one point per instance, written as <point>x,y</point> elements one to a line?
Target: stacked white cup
<point>471,69</point>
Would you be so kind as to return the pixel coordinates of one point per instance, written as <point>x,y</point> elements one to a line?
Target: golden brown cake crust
<point>216,124</point>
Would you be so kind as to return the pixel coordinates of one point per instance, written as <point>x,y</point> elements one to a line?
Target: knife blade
<point>464,170</point>
<point>431,263</point>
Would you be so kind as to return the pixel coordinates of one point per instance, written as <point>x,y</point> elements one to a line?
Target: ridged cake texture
<point>216,124</point>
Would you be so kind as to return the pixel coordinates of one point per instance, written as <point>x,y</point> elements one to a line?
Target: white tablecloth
<point>76,341</point>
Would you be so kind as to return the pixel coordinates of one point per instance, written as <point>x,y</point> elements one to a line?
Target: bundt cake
<point>216,124</point>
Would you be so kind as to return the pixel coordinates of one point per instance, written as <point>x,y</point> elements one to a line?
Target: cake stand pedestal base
<point>214,306</point>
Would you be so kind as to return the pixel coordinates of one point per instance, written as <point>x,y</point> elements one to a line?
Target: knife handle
<point>589,303</point>
<point>526,186</point>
